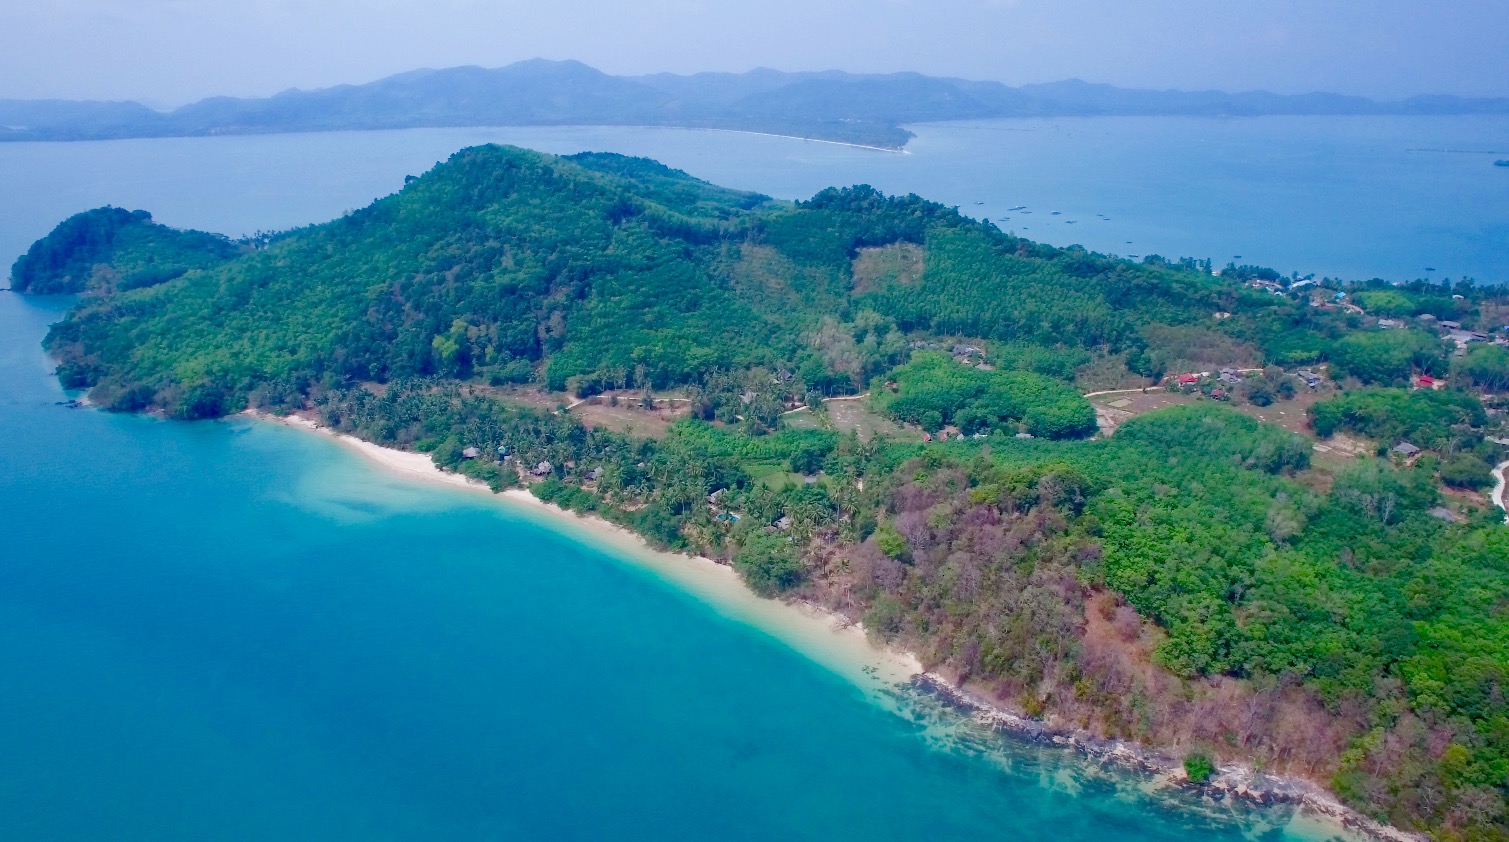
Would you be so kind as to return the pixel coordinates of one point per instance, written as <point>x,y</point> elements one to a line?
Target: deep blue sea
<point>238,630</point>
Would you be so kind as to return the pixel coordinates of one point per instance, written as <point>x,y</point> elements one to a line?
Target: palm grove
<point>1192,580</point>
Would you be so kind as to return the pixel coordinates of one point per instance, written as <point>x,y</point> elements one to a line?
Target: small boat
<point>1430,268</point>
<point>1058,213</point>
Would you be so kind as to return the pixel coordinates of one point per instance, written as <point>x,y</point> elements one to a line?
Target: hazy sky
<point>168,52</point>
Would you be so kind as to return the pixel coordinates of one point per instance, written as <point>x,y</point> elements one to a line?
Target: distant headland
<point>866,110</point>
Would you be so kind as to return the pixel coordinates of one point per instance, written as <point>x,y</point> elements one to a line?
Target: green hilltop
<point>599,271</point>
<point>881,405</point>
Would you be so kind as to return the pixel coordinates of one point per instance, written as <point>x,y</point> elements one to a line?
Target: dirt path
<point>828,400</point>
<point>1142,391</point>
<point>1501,480</point>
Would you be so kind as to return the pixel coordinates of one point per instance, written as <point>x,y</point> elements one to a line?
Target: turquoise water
<point>238,630</point>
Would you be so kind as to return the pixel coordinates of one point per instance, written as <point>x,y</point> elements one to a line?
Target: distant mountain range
<point>829,105</point>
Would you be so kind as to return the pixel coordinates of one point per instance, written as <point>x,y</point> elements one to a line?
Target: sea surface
<point>1397,198</point>
<point>239,630</point>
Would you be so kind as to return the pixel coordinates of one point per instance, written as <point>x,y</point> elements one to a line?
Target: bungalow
<point>543,469</point>
<point>470,453</point>
<point>1312,380</point>
<point>1189,379</point>
<point>1450,325</point>
<point>1230,375</point>
<point>1425,381</point>
<point>1406,450</point>
<point>1385,324</point>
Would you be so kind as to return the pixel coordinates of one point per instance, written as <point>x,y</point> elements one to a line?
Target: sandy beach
<point>821,635</point>
<point>842,646</point>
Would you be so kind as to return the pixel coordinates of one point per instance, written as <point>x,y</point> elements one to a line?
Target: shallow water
<point>238,630</point>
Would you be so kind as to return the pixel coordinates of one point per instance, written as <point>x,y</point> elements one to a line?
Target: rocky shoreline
<point>1229,781</point>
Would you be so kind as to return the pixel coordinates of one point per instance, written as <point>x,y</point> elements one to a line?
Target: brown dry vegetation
<point>988,592</point>
<point>898,263</point>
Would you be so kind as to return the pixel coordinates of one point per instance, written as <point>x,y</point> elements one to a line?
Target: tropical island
<point>1239,516</point>
<point>863,109</point>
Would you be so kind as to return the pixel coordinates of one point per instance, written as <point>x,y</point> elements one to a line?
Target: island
<point>1237,517</point>
<point>869,110</point>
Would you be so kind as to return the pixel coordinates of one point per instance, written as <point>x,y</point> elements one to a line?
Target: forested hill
<point>599,271</point>
<point>111,249</point>
<point>1314,598</point>
<point>831,105</point>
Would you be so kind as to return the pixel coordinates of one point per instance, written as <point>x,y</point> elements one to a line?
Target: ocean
<point>240,630</point>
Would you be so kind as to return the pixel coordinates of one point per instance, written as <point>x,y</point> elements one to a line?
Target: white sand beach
<point>822,636</point>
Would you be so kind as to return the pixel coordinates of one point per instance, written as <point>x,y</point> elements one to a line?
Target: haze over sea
<point>238,630</point>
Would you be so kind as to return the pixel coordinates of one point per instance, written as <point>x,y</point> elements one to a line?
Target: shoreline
<point>826,637</point>
<point>840,644</point>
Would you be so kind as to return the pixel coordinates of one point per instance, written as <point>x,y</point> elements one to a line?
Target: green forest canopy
<point>599,272</point>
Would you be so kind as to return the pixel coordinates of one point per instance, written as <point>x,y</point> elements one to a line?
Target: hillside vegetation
<point>110,249</point>
<point>1199,579</point>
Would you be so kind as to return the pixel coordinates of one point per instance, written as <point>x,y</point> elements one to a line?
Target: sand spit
<point>841,645</point>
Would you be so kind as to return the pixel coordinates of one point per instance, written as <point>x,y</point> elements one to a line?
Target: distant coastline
<point>865,110</point>
<point>840,644</point>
